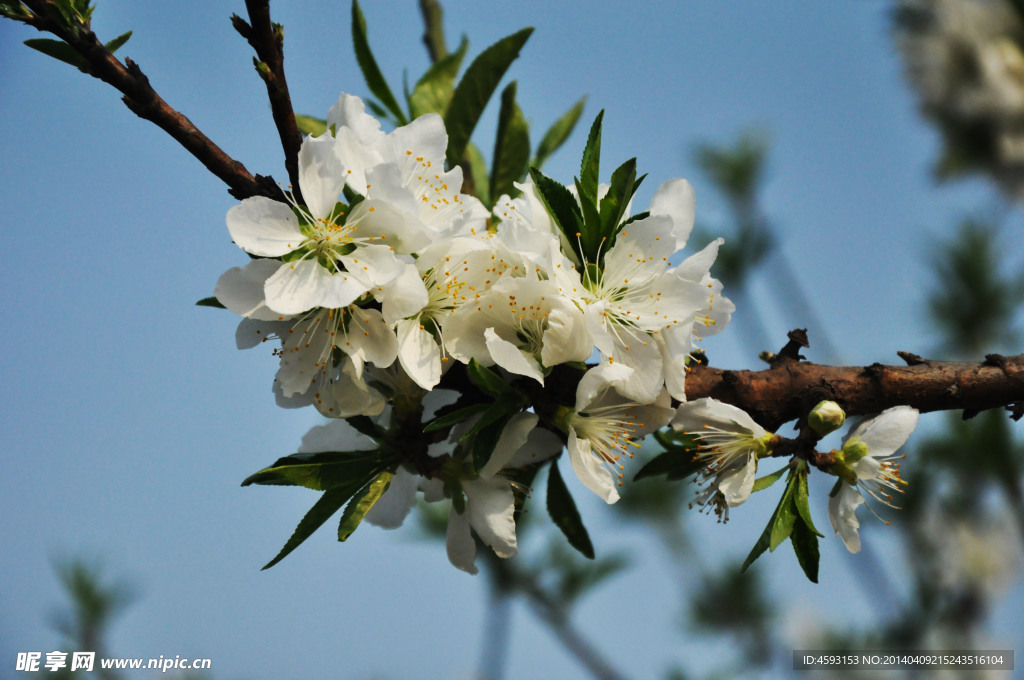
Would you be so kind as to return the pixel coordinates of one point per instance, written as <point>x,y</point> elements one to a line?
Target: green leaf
<point>210,302</point>
<point>60,50</point>
<point>805,545</point>
<point>488,381</point>
<point>309,125</point>
<point>590,167</point>
<point>361,503</point>
<point>614,203</point>
<point>800,500</point>
<point>458,416</point>
<point>115,44</point>
<point>591,221</point>
<point>676,464</point>
<point>321,511</point>
<point>564,514</point>
<point>487,437</point>
<point>365,425</point>
<point>762,483</point>
<point>475,171</point>
<point>321,471</point>
<point>511,146</point>
<point>764,542</point>
<point>785,515</point>
<point>368,65</point>
<point>475,89</point>
<point>556,135</point>
<point>433,91</point>
<point>561,205</point>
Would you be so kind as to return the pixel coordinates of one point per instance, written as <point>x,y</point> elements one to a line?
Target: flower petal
<point>297,287</point>
<point>842,514</point>
<point>263,227</point>
<point>491,507</point>
<point>418,353</point>
<point>511,358</point>
<point>886,432</point>
<point>393,507</point>
<point>676,199</point>
<point>736,484</point>
<point>241,290</point>
<point>321,174</point>
<point>693,416</point>
<point>460,543</point>
<point>587,466</point>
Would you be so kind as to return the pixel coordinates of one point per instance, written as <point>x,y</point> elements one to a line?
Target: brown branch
<point>143,101</point>
<point>267,39</point>
<point>788,389</point>
<point>433,33</point>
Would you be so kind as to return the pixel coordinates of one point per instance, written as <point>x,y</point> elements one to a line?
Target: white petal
<point>387,225</point>
<point>676,199</point>
<point>692,416</point>
<point>697,265</point>
<point>565,338</point>
<point>541,445</point>
<point>511,358</point>
<point>598,379</point>
<point>460,543</point>
<point>842,514</point>
<point>373,265</point>
<point>241,289</point>
<point>513,438</point>
<point>339,289</point>
<point>264,227</point>
<point>736,484</point>
<point>321,174</point>
<point>491,506</point>
<point>405,296</point>
<point>336,435</point>
<point>886,432</point>
<point>350,112</point>
<point>587,466</point>
<point>369,339</point>
<point>418,353</point>
<point>297,287</point>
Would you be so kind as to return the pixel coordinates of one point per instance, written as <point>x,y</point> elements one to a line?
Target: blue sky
<point>130,418</point>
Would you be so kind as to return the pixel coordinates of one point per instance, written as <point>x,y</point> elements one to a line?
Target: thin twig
<point>142,99</point>
<point>267,39</point>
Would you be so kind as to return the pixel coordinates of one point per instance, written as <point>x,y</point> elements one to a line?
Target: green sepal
<point>511,146</point>
<point>489,382</point>
<point>475,89</point>
<point>676,465</point>
<point>321,471</point>
<point>563,512</point>
<point>762,483</point>
<point>590,166</point>
<point>368,65</point>
<point>805,544</point>
<point>60,50</point>
<point>556,135</point>
<point>458,416</point>
<point>310,125</point>
<point>116,44</point>
<point>361,503</point>
<point>433,91</point>
<point>210,302</point>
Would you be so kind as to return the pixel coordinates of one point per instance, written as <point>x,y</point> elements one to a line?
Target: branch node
<point>997,360</point>
<point>874,371</point>
<point>1016,410</point>
<point>791,350</point>
<point>913,359</point>
<point>970,413</point>
<point>243,28</point>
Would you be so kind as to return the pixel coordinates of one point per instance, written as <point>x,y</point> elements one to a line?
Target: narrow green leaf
<point>433,91</point>
<point>361,502</point>
<point>365,425</point>
<point>564,514</point>
<point>368,65</point>
<point>115,44</point>
<point>764,541</point>
<point>320,471</point>
<point>474,171</point>
<point>458,416</point>
<point>511,146</point>
<point>675,464</point>
<point>321,511</point>
<point>487,380</point>
<point>556,135</point>
<point>805,545</point>
<point>487,437</point>
<point>590,167</point>
<point>60,50</point>
<point>591,224</point>
<point>561,205</point>
<point>310,125</point>
<point>210,302</point>
<point>801,501</point>
<point>475,89</point>
<point>762,483</point>
<point>614,203</point>
<point>785,515</point>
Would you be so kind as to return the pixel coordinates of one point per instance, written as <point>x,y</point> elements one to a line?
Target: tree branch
<point>790,388</point>
<point>267,39</point>
<point>143,101</point>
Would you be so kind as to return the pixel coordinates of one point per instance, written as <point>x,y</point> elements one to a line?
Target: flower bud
<point>826,417</point>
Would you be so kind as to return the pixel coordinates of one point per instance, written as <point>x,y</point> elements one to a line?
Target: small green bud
<point>854,450</point>
<point>826,417</point>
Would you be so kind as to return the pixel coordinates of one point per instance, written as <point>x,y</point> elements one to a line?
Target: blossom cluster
<point>379,274</point>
